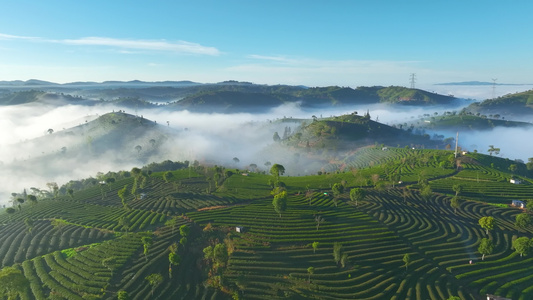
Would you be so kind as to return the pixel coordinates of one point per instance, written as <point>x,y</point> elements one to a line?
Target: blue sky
<point>315,43</point>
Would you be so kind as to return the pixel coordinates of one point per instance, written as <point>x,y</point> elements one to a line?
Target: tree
<point>454,203</point>
<point>280,202</point>
<point>53,188</point>
<point>457,188</point>
<point>276,137</point>
<point>208,253</point>
<point>406,259</point>
<point>253,167</point>
<point>220,254</point>
<point>154,279</point>
<point>405,193</point>
<point>135,172</point>
<point>522,221</point>
<point>319,220</point>
<point>337,252</point>
<point>20,202</point>
<point>173,248</point>
<point>12,282</point>
<point>123,295</point>
<point>309,195</point>
<point>168,176</point>
<point>70,192</point>
<point>310,270</point>
<point>10,211</point>
<point>529,164</point>
<point>493,150</point>
<point>122,194</point>
<point>147,242</point>
<point>173,259</point>
<point>337,189</point>
<point>315,246</point>
<point>344,259</point>
<point>277,170</point>
<point>357,194</point>
<point>236,160</point>
<point>485,247</point>
<point>426,192</point>
<point>522,245</point>
<point>529,204</point>
<point>32,199</point>
<point>184,230</point>
<point>486,223</point>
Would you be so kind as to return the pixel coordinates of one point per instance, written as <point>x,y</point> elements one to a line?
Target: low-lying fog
<point>215,138</point>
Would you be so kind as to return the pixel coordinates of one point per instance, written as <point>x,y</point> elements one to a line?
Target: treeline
<point>167,165</point>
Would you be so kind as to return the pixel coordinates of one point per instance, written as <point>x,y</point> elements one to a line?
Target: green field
<point>92,244</point>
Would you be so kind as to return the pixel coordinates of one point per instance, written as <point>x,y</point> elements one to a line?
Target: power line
<point>412,80</point>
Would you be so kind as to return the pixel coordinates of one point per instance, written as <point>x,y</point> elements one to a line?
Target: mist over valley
<point>53,136</point>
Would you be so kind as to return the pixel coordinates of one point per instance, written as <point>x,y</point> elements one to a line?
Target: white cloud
<point>176,47</point>
<point>16,37</point>
<point>280,59</point>
<point>181,47</point>
<point>335,64</point>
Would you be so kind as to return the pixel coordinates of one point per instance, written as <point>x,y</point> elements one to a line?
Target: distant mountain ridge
<point>224,97</point>
<point>36,82</point>
<point>480,83</point>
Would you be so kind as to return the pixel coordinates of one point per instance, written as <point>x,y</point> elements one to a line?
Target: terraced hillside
<point>273,254</point>
<point>172,234</point>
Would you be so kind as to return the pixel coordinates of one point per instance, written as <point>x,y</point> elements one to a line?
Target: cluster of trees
<point>12,282</point>
<point>522,245</point>
<point>339,256</point>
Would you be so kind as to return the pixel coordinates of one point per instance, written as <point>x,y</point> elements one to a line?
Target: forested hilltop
<point>392,223</point>
<point>517,104</point>
<point>226,97</point>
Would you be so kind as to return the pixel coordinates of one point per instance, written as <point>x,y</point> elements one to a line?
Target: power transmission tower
<point>494,87</point>
<point>412,80</point>
<point>456,143</point>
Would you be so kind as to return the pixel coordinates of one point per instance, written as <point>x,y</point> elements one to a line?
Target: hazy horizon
<point>344,43</point>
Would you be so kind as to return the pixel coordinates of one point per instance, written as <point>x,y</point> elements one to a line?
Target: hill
<point>228,102</point>
<point>33,96</point>
<point>227,97</point>
<point>408,96</point>
<point>171,234</point>
<point>518,104</point>
<point>256,97</point>
<point>113,139</point>
<point>467,121</point>
<point>351,131</point>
